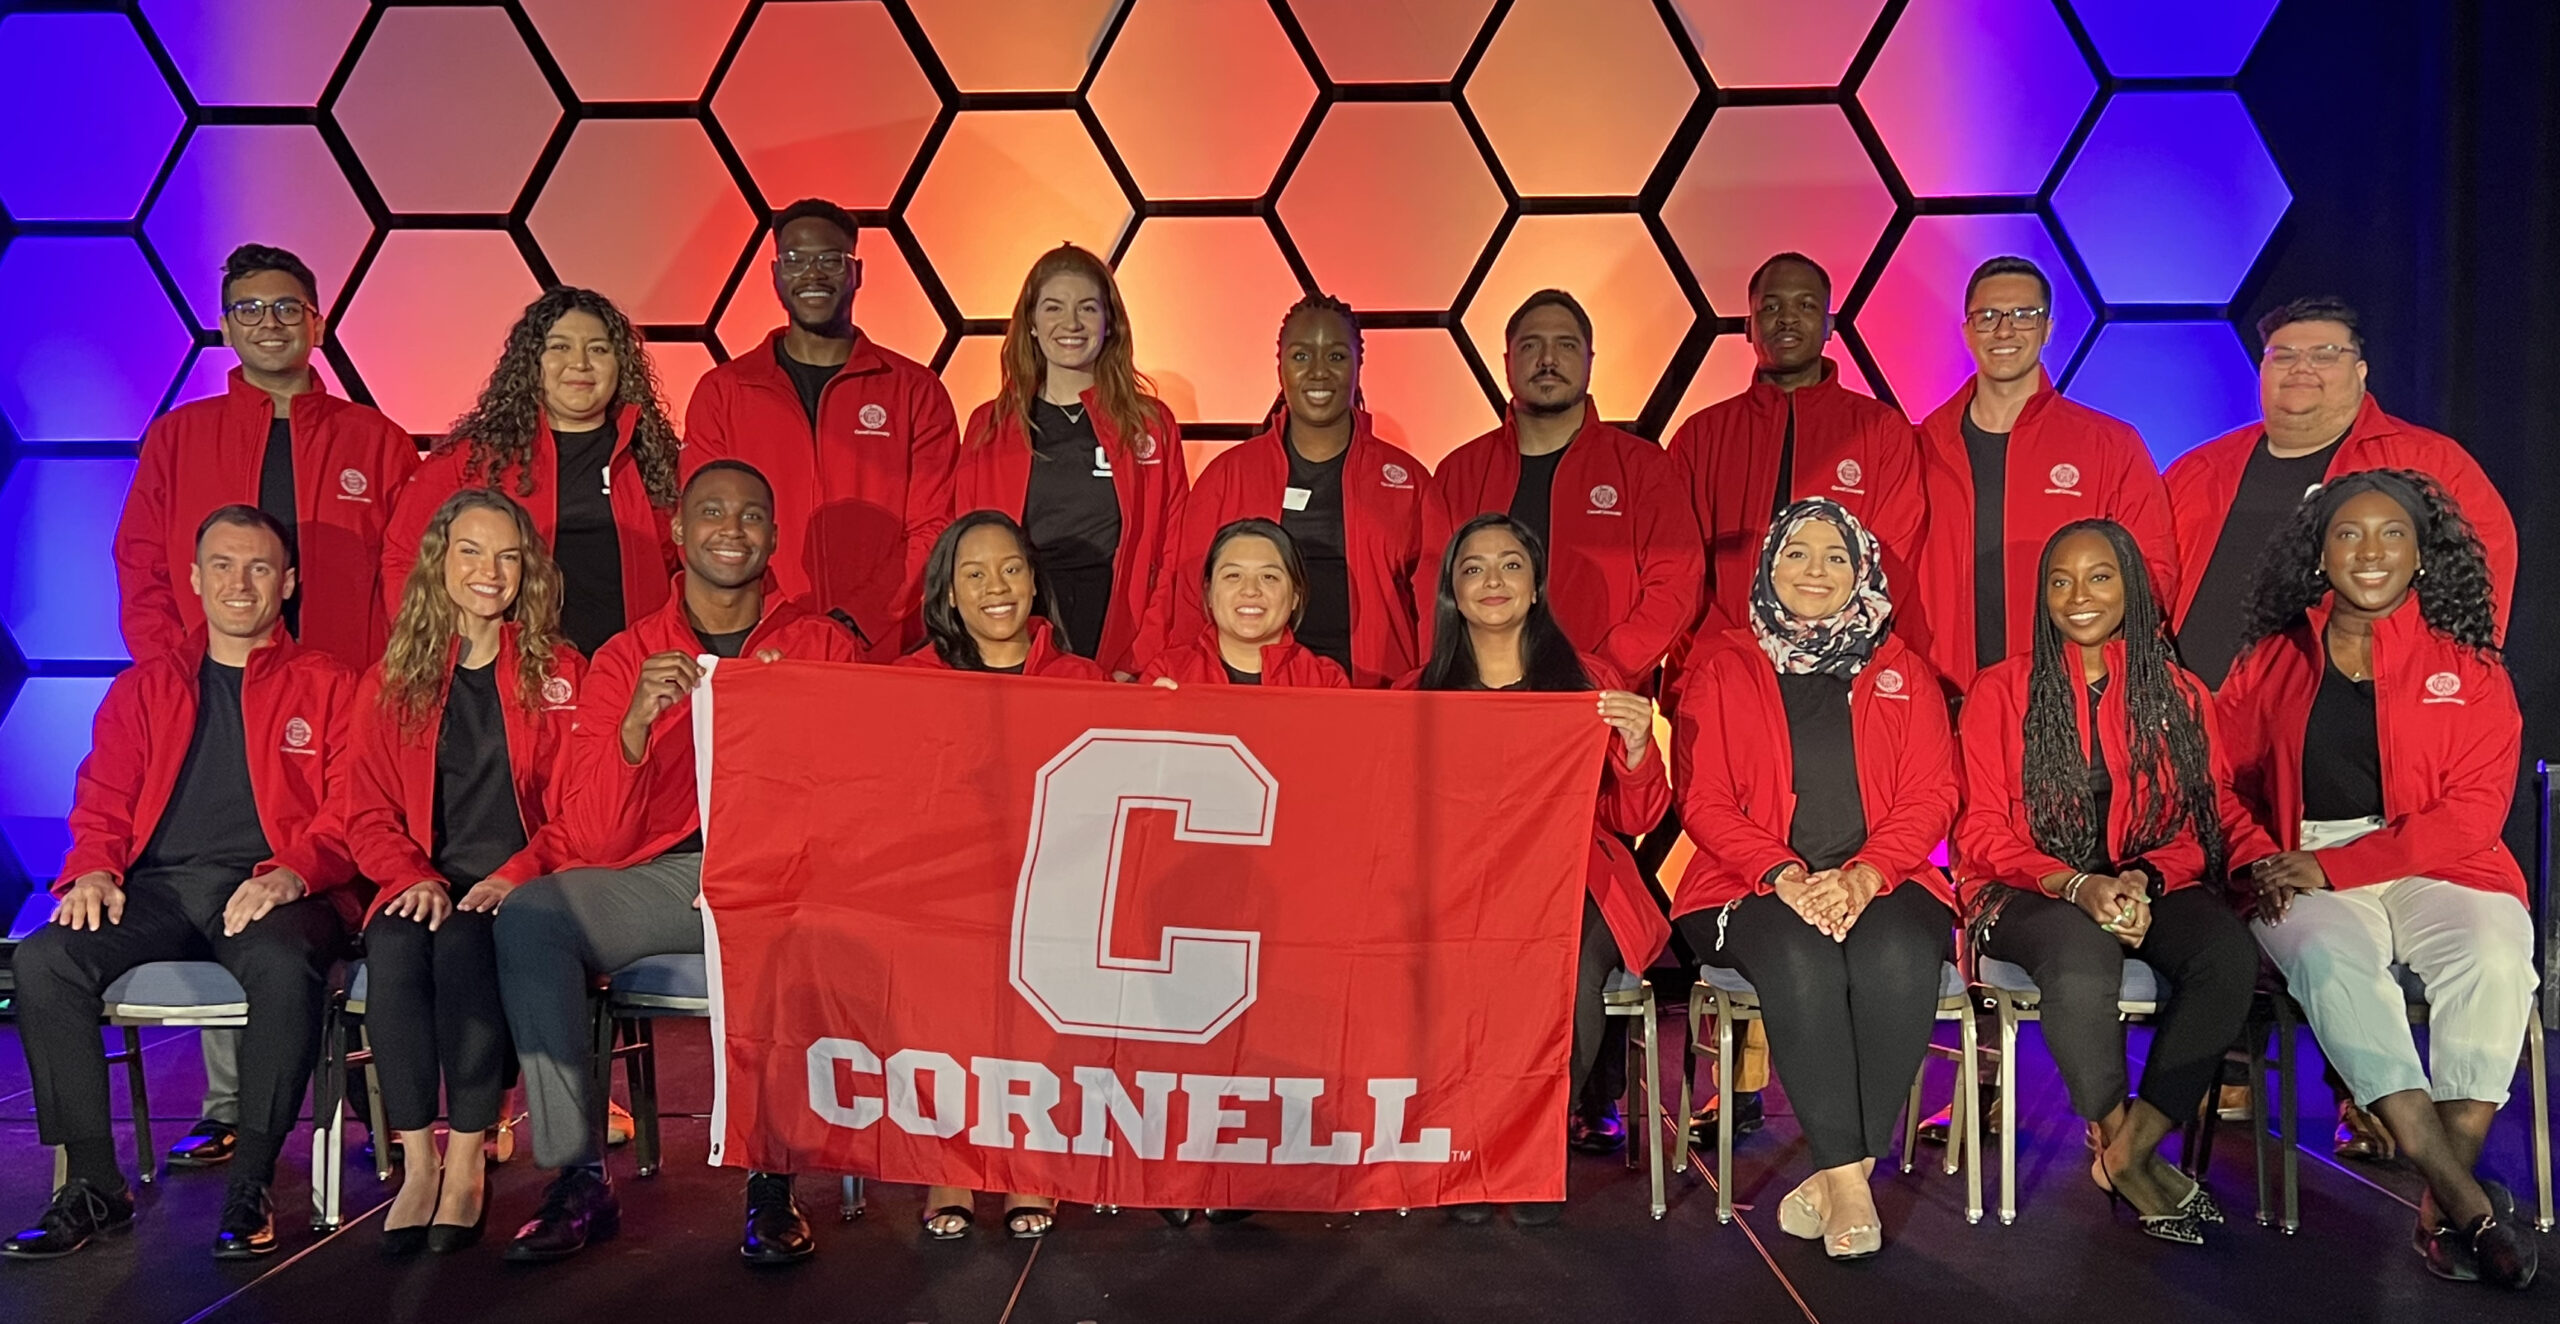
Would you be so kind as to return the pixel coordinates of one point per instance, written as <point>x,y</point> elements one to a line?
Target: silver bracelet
<point>2071,889</point>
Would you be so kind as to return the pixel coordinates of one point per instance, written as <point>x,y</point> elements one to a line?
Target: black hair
<point>2455,597</point>
<point>243,515</point>
<point>1290,561</point>
<point>2009,265</point>
<point>249,259</point>
<point>1321,302</point>
<point>1547,659</point>
<point>2313,308</point>
<point>728,466</point>
<point>2172,764</point>
<point>1761,273</point>
<point>821,209</point>
<point>1548,298</point>
<point>944,630</point>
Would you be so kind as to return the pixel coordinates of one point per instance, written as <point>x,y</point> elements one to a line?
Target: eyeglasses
<point>1987,320</point>
<point>2318,356</point>
<point>829,261</point>
<point>250,312</point>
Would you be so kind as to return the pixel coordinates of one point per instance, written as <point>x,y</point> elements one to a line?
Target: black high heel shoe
<point>449,1238</point>
<point>2179,1225</point>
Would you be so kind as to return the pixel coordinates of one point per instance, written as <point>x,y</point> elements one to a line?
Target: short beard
<point>1537,410</point>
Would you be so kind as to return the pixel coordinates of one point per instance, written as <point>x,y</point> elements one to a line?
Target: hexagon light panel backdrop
<point>1430,160</point>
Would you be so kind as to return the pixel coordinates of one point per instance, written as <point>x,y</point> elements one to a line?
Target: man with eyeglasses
<point>2007,461</point>
<point>2231,494</point>
<point>860,442</point>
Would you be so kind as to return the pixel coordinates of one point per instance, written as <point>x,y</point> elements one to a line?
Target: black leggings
<point>1590,982</point>
<point>432,1009</point>
<point>1848,1020</point>
<point>2207,965</point>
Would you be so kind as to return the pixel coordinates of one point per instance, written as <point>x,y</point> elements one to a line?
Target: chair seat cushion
<point>2141,982</point>
<point>1950,980</point>
<point>674,975</point>
<point>1724,979</point>
<point>194,988</point>
<point>358,983</point>
<point>1624,989</point>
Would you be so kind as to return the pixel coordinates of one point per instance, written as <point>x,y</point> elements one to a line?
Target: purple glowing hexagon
<point>1913,322</point>
<point>210,375</point>
<point>95,362</point>
<point>57,574</point>
<point>2173,38</point>
<point>255,52</point>
<point>2181,383</point>
<point>2171,197</point>
<point>87,116</point>
<point>255,183</point>
<point>1977,96</point>
<point>42,741</point>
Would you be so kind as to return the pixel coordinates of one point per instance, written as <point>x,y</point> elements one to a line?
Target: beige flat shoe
<point>1856,1243</point>
<point>1799,1215</point>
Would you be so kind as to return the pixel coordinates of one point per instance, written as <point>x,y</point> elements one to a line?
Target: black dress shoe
<point>1225,1216</point>
<point>1600,1132</point>
<point>1475,1214</point>
<point>1747,1118</point>
<point>1175,1217</point>
<point>1537,1213</point>
<point>776,1233</point>
<point>400,1243</point>
<point>248,1227</point>
<point>79,1211</point>
<point>448,1238</point>
<point>210,1144</point>
<point>2501,1245</point>
<point>579,1208</point>
<point>1933,1130</point>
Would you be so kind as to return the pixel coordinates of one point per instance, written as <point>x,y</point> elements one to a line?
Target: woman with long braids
<point>572,426</point>
<point>2374,734</point>
<point>2094,830</point>
<point>1077,449</point>
<point>450,804</point>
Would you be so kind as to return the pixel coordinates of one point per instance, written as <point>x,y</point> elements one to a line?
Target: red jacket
<point>1383,494</point>
<point>2066,462</point>
<point>1852,448</point>
<point>2450,736</point>
<point>1993,841</point>
<point>390,805</point>
<point>615,814</point>
<point>1148,476</point>
<point>860,498</point>
<point>2204,481</point>
<point>1736,770</point>
<point>1283,664</point>
<point>296,705</point>
<point>1632,801</point>
<point>1625,570</point>
<point>1047,660</point>
<point>648,548</point>
<point>349,464</point>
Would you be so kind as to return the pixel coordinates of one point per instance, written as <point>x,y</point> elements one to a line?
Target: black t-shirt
<point>1072,512</point>
<point>1531,500</point>
<point>2270,488</point>
<point>809,379</point>
<point>586,544</point>
<point>477,823</point>
<point>275,497</point>
<point>729,645</point>
<point>2102,783</point>
<point>1786,462</point>
<point>1989,452</point>
<point>1235,677</point>
<point>210,829</point>
<point>1830,823</point>
<point>1315,490</point>
<point>2341,750</point>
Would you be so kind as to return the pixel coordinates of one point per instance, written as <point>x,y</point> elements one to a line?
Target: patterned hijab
<point>1835,645</point>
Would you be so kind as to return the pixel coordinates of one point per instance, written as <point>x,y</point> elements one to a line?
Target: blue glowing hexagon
<point>2174,38</point>
<point>94,364</point>
<point>86,116</point>
<point>255,52</point>
<point>42,741</point>
<point>2181,383</point>
<point>57,571</point>
<point>255,183</point>
<point>1977,96</point>
<point>2171,197</point>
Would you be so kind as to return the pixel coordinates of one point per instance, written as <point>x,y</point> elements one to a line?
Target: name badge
<point>1295,498</point>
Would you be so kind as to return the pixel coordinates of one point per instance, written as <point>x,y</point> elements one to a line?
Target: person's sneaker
<point>579,1207</point>
<point>776,1233</point>
<point>210,1144</point>
<point>79,1211</point>
<point>1747,1118</point>
<point>1600,1131</point>
<point>248,1227</point>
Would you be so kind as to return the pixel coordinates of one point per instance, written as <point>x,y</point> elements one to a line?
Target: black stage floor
<point>2065,1259</point>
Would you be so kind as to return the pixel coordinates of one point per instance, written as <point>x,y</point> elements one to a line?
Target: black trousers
<point>2207,965</point>
<point>1849,1020</point>
<point>1590,981</point>
<point>432,1009</point>
<point>282,962</point>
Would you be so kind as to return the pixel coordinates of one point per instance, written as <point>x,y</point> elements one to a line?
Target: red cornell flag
<point>1219,947</point>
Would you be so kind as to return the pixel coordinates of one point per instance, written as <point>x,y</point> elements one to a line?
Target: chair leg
<point>642,1076</point>
<point>1965,1119</point>
<point>2008,1111</point>
<point>1653,1100</point>
<point>2288,1117</point>
<point>328,1119</point>
<point>61,1167</point>
<point>146,1155</point>
<point>1911,1119</point>
<point>602,1069</point>
<point>2541,1119</point>
<point>1688,1084</point>
<point>1627,1103</point>
<point>377,1122</point>
<point>851,1207</point>
<point>1724,1111</point>
<point>2258,1117</point>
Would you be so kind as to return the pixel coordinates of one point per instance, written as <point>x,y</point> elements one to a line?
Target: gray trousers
<point>556,934</point>
<point>221,1077</point>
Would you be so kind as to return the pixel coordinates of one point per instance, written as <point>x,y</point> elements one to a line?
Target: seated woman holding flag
<point>1255,587</point>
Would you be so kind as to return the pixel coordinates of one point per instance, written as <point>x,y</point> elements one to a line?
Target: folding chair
<point>192,994</point>
<point>1628,994</point>
<point>339,1057</point>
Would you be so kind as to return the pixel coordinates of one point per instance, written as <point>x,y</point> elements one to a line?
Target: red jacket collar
<point>672,623</point>
<point>308,406</point>
<point>1953,410</point>
<point>1769,396</point>
<point>763,365</point>
<point>279,646</point>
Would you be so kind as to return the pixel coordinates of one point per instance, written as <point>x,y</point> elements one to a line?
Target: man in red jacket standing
<point>860,442</point>
<point>635,834</point>
<point>198,833</point>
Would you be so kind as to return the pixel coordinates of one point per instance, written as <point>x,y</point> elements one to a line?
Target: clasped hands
<point>1830,900</point>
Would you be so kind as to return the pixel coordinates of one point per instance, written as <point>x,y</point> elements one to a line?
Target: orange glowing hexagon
<point>1639,315</point>
<point>429,319</point>
<point>1726,373</point>
<point>974,372</point>
<point>680,365</point>
<point>852,145</point>
<point>1004,187</point>
<point>1391,204</point>
<point>1415,41</point>
<point>1773,179</point>
<point>1015,45</point>
<point>254,52</point>
<point>1421,392</point>
<point>636,50</point>
<point>891,307</point>
<point>644,212</point>
<point>1206,295</point>
<point>1579,97</point>
<point>1812,47</point>
<point>1202,100</point>
<point>448,110</point>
